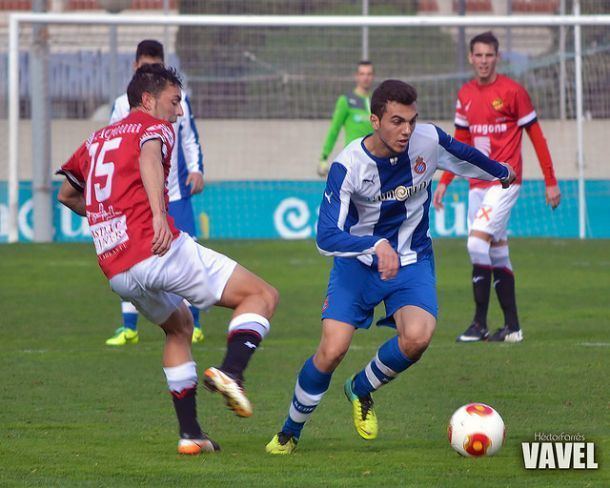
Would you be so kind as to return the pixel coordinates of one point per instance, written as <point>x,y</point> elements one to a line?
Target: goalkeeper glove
<point>323,168</point>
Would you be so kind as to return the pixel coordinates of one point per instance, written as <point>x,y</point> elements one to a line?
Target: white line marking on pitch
<point>594,344</point>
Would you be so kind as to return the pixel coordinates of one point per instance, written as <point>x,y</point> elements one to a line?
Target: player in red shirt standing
<point>117,178</point>
<point>491,112</point>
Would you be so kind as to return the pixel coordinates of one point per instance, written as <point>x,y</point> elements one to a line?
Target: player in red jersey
<point>491,113</point>
<point>117,179</point>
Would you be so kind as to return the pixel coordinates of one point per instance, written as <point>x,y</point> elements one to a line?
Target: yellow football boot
<point>198,336</point>
<point>282,443</point>
<point>365,419</point>
<point>123,336</point>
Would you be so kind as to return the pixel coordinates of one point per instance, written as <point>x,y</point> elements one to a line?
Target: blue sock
<point>195,314</point>
<point>308,392</point>
<point>383,368</point>
<point>130,316</point>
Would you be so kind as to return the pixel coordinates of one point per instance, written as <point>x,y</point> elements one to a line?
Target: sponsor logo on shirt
<point>485,129</point>
<point>107,235</point>
<point>400,193</point>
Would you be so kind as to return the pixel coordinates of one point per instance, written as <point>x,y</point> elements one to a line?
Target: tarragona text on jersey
<point>186,156</point>
<point>106,168</point>
<point>369,198</point>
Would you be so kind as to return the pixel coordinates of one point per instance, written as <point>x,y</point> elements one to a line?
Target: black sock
<point>185,404</point>
<point>481,283</point>
<point>240,347</point>
<point>504,282</point>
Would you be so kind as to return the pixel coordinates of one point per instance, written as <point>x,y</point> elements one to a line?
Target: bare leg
<point>253,302</point>
<point>178,330</point>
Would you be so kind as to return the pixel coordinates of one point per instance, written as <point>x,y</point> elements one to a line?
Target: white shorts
<point>489,209</point>
<point>157,285</point>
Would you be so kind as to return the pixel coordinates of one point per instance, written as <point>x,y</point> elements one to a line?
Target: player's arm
<point>72,197</point>
<point>553,194</point>
<point>189,137</point>
<point>339,116</point>
<point>469,162</point>
<point>333,240</point>
<point>461,134</point>
<point>72,191</point>
<point>153,178</point>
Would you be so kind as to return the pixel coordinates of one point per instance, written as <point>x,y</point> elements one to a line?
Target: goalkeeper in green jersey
<point>352,111</point>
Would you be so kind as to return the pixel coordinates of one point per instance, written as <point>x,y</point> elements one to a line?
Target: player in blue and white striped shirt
<point>374,220</point>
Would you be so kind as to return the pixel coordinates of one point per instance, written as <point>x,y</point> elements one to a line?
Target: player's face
<point>167,105</point>
<point>396,126</point>
<point>364,77</point>
<point>146,60</point>
<point>483,59</point>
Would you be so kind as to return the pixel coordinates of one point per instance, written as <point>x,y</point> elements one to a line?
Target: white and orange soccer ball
<point>476,430</point>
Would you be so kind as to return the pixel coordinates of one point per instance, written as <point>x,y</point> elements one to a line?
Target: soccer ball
<point>476,430</point>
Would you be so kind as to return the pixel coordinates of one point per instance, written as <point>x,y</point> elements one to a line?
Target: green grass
<point>76,413</point>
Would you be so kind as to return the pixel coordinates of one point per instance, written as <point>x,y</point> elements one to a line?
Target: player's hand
<point>388,260</point>
<point>195,180</point>
<point>506,182</point>
<point>553,196</point>
<point>323,168</point>
<point>439,194</point>
<point>162,237</point>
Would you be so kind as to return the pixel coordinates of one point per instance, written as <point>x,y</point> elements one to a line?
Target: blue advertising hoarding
<point>289,209</point>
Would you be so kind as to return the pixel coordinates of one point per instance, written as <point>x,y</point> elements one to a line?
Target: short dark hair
<point>392,91</point>
<point>150,78</point>
<point>150,48</point>
<point>364,62</point>
<point>485,38</point>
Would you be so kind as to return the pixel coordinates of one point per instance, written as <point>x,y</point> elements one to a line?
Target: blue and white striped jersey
<point>369,198</point>
<point>186,157</point>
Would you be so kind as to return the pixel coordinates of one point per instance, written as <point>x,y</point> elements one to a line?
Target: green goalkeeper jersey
<point>353,112</point>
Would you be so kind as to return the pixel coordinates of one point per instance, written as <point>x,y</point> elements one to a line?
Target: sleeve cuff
<point>379,242</point>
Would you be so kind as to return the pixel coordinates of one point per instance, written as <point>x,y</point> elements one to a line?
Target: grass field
<point>77,413</point>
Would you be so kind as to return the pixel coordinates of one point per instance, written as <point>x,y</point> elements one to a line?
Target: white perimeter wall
<point>289,149</point>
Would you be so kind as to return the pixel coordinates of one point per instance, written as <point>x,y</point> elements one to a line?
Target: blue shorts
<point>354,290</point>
<point>184,218</point>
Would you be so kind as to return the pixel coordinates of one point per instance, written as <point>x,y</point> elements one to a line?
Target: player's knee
<point>268,297</point>
<point>478,250</point>
<point>272,298</point>
<point>329,356</point>
<point>416,340</point>
<point>180,323</point>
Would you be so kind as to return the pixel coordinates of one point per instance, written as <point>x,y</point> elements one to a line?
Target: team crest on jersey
<point>497,103</point>
<point>420,165</point>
